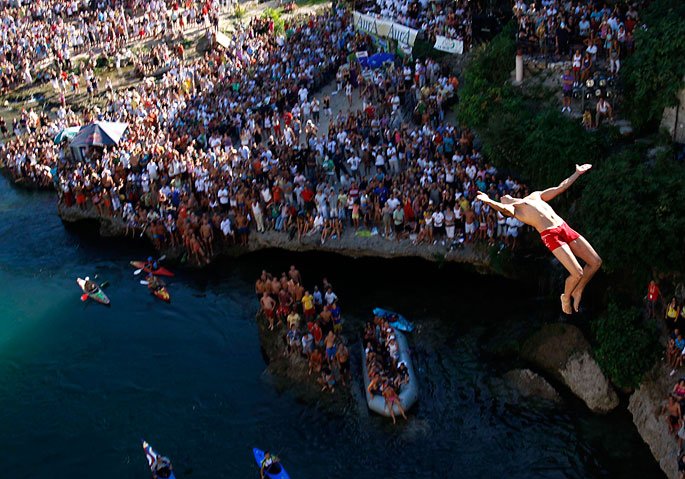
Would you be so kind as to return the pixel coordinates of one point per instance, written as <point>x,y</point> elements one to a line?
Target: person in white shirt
<point>438,225</point>
<point>227,228</point>
<point>303,94</point>
<point>354,161</point>
<point>223,197</point>
<point>330,296</point>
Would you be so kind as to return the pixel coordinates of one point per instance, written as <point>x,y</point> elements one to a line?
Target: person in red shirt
<point>288,118</point>
<point>653,295</point>
<point>307,196</point>
<point>277,193</point>
<point>316,331</point>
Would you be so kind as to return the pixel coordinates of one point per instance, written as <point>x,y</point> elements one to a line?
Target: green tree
<point>627,348</point>
<point>653,75</point>
<point>486,78</point>
<point>275,15</point>
<point>634,212</point>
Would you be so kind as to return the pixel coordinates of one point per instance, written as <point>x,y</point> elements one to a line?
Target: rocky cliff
<point>562,351</point>
<point>645,405</point>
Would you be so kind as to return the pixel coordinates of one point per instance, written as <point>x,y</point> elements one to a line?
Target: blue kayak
<point>154,460</point>
<point>275,471</point>
<point>396,320</point>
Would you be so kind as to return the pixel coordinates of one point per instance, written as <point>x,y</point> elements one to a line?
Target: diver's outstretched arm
<point>551,193</point>
<point>506,210</point>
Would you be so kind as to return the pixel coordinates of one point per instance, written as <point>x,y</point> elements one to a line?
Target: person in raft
<point>566,244</point>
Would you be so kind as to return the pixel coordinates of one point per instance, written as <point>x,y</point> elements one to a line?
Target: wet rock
<point>645,405</point>
<point>530,384</point>
<point>563,351</point>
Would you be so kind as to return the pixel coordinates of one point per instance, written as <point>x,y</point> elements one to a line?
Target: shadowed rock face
<point>530,384</point>
<point>348,245</point>
<point>563,351</point>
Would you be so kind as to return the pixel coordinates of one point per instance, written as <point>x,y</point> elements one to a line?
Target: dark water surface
<point>80,384</point>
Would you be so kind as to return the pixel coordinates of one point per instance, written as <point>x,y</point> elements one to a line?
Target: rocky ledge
<point>646,405</point>
<point>349,245</point>
<point>562,351</point>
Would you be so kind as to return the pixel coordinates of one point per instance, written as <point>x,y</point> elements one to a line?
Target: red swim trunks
<point>558,236</point>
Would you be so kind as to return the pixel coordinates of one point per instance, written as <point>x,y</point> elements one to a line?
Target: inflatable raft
<point>396,320</point>
<point>408,394</point>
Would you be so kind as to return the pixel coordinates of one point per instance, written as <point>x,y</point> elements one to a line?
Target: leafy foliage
<point>486,78</point>
<point>627,348</point>
<point>543,148</point>
<point>239,12</point>
<point>521,133</point>
<point>424,49</point>
<point>653,75</point>
<point>635,214</point>
<point>275,14</point>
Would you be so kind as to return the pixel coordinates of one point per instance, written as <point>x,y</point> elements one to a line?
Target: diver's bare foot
<point>576,300</point>
<point>566,305</point>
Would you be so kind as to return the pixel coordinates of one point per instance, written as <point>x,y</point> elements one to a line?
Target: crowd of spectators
<point>42,33</point>
<point>313,323</point>
<point>581,31</point>
<point>229,143</point>
<point>448,18</point>
<point>673,312</point>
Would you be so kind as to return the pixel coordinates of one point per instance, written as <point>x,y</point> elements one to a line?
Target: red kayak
<point>157,272</point>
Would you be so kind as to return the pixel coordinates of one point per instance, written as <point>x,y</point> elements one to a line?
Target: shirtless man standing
<point>342,357</point>
<point>207,236</point>
<point>295,274</point>
<point>268,305</point>
<point>560,239</point>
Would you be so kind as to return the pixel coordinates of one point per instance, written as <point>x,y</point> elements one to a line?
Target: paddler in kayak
<point>89,286</point>
<point>267,463</point>
<point>151,264</point>
<point>154,283</point>
<point>161,468</point>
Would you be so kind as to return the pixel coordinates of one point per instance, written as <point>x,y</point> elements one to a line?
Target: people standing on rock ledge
<point>317,341</point>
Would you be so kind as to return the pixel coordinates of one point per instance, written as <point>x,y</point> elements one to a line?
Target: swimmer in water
<point>566,245</point>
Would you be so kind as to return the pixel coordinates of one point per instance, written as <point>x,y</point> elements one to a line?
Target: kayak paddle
<point>138,271</point>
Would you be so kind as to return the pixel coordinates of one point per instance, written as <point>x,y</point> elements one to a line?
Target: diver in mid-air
<point>566,244</point>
